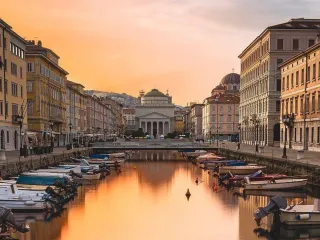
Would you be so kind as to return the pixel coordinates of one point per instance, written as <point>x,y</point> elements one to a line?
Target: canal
<point>147,201</point>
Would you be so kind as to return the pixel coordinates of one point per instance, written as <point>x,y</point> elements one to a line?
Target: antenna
<point>232,70</point>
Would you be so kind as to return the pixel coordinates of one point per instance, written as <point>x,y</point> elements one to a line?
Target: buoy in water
<point>188,194</point>
<point>197,181</point>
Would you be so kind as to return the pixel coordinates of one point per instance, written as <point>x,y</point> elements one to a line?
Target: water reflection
<point>148,201</point>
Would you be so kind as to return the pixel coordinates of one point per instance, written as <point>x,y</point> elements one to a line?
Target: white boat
<point>21,200</point>
<point>76,169</point>
<point>276,184</point>
<point>117,155</point>
<point>300,215</point>
<point>209,156</point>
<point>196,153</point>
<point>240,170</point>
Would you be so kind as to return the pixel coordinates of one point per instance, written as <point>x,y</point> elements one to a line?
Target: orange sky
<point>126,45</point>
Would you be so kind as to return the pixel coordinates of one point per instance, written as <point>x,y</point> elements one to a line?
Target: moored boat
<point>276,184</point>
<point>210,156</point>
<point>240,170</point>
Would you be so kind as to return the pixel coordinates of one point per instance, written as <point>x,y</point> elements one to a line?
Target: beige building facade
<point>300,100</point>
<point>13,96</point>
<point>220,111</point>
<point>155,113</point>
<point>196,120</point>
<point>46,88</point>
<point>260,84</point>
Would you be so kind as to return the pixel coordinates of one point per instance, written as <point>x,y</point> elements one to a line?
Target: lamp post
<point>239,128</point>
<point>288,123</point>
<point>70,141</point>
<point>51,124</point>
<point>256,123</point>
<point>19,119</point>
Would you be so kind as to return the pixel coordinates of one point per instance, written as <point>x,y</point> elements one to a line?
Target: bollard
<point>300,154</point>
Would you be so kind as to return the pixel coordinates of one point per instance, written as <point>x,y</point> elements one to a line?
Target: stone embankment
<point>14,165</point>
<point>276,164</point>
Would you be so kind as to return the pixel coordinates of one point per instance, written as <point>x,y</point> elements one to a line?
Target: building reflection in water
<point>161,155</point>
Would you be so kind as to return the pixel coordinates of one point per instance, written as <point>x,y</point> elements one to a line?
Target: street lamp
<point>256,123</point>
<point>239,139</point>
<point>51,127</point>
<point>288,122</point>
<point>19,120</point>
<point>70,142</point>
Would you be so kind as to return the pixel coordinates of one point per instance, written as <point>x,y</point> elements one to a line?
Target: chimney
<point>39,43</point>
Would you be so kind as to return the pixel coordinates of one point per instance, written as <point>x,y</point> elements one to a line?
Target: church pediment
<point>154,115</point>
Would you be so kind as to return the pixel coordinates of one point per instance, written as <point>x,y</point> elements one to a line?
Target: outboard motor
<point>273,206</point>
<point>7,219</point>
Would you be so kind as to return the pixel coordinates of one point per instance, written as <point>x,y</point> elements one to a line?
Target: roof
<point>154,93</point>
<point>129,111</point>
<point>292,24</point>
<point>8,28</point>
<point>301,54</point>
<point>231,78</point>
<point>224,98</point>
<point>74,83</point>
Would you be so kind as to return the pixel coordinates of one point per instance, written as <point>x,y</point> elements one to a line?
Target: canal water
<point>147,201</point>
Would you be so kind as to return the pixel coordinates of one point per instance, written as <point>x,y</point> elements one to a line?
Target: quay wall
<point>10,168</point>
<point>277,165</point>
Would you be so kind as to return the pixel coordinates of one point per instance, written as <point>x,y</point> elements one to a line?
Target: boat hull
<point>277,184</point>
<point>24,206</point>
<point>291,217</point>
<point>240,170</point>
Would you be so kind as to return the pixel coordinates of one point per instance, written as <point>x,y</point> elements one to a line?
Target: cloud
<point>256,14</point>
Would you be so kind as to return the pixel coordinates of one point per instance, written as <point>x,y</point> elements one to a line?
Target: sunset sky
<point>185,46</point>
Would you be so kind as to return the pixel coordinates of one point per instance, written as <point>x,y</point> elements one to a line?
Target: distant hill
<point>123,98</point>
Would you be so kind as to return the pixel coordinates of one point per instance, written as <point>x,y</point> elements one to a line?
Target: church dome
<point>154,93</point>
<point>231,78</point>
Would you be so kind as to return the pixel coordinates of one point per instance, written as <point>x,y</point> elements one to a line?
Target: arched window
<point>15,137</point>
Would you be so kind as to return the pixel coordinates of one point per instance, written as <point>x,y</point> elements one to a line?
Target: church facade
<point>155,113</point>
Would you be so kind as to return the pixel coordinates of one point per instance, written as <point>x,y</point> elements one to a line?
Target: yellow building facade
<point>46,88</point>
<point>76,116</point>
<point>13,97</point>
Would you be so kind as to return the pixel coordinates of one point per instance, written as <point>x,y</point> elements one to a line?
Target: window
<point>302,76</point>
<point>301,104</point>
<point>319,70</point>
<point>314,72</point>
<point>1,63</point>
<point>282,108</point>
<point>21,91</point>
<point>287,82</point>
<point>221,118</point>
<point>5,65</point>
<point>308,74</point>
<point>14,89</point>
<point>30,107</point>
<point>1,107</point>
<point>319,101</point>
<point>0,84</point>
<point>221,108</point>
<point>278,106</point>
<point>21,72</point>
<point>307,103</point>
<point>6,107</point>
<point>318,135</point>
<point>14,70</point>
<point>296,105</point>
<point>283,84</point>
<point>291,105</point>
<point>229,118</point>
<point>300,136</point>
<point>295,44</point>
<point>15,111</point>
<point>4,42</point>
<point>297,78</point>
<point>313,102</point>
<point>279,61</point>
<point>229,109</point>
<point>213,118</point>
<point>295,134</point>
<point>311,42</point>
<point>291,80</point>
<point>8,138</point>
<point>29,86</point>
<point>287,106</point>
<point>312,134</point>
<point>280,44</point>
<point>30,67</point>
<point>278,84</point>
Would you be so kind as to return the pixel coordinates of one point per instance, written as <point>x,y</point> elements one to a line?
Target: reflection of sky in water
<point>150,203</point>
